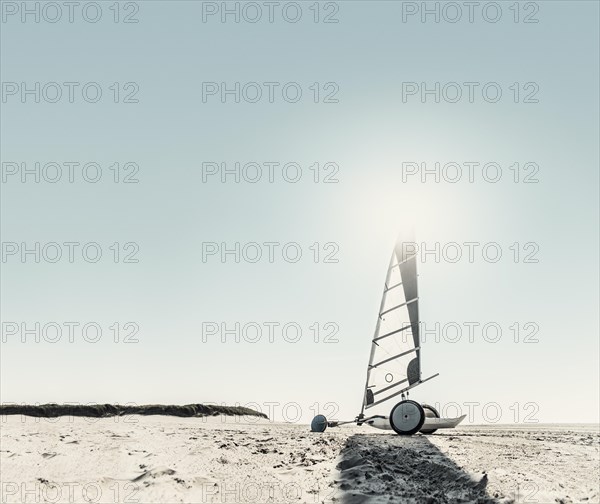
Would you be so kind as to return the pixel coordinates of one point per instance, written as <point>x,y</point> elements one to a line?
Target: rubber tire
<point>434,414</point>
<point>415,429</point>
<point>318,424</point>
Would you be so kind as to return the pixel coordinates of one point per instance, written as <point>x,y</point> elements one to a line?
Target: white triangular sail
<point>395,361</point>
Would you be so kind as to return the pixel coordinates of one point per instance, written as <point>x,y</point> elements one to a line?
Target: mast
<point>373,343</point>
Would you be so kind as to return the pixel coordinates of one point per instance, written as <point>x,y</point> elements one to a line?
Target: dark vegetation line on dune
<point>109,410</point>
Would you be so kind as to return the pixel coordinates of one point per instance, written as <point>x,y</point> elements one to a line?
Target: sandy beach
<point>161,459</point>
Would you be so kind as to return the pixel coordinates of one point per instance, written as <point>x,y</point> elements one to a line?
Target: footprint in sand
<point>154,473</point>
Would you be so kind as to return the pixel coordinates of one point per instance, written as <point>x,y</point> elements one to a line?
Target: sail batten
<point>389,387</point>
<point>403,261</point>
<point>395,359</point>
<point>393,286</point>
<point>385,398</point>
<point>399,306</point>
<point>399,392</point>
<point>391,333</point>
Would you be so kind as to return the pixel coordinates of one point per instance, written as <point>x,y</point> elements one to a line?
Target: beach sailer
<point>395,362</point>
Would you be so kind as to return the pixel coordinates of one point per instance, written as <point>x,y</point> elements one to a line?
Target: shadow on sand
<point>376,468</point>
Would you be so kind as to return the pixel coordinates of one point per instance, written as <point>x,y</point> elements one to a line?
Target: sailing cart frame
<point>395,360</point>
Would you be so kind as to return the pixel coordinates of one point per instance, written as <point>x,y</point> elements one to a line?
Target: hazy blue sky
<point>547,115</point>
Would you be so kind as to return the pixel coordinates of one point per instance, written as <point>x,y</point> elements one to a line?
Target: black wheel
<point>407,417</point>
<point>318,424</point>
<point>430,412</point>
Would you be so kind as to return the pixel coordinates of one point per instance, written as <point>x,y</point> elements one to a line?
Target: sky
<point>159,271</point>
